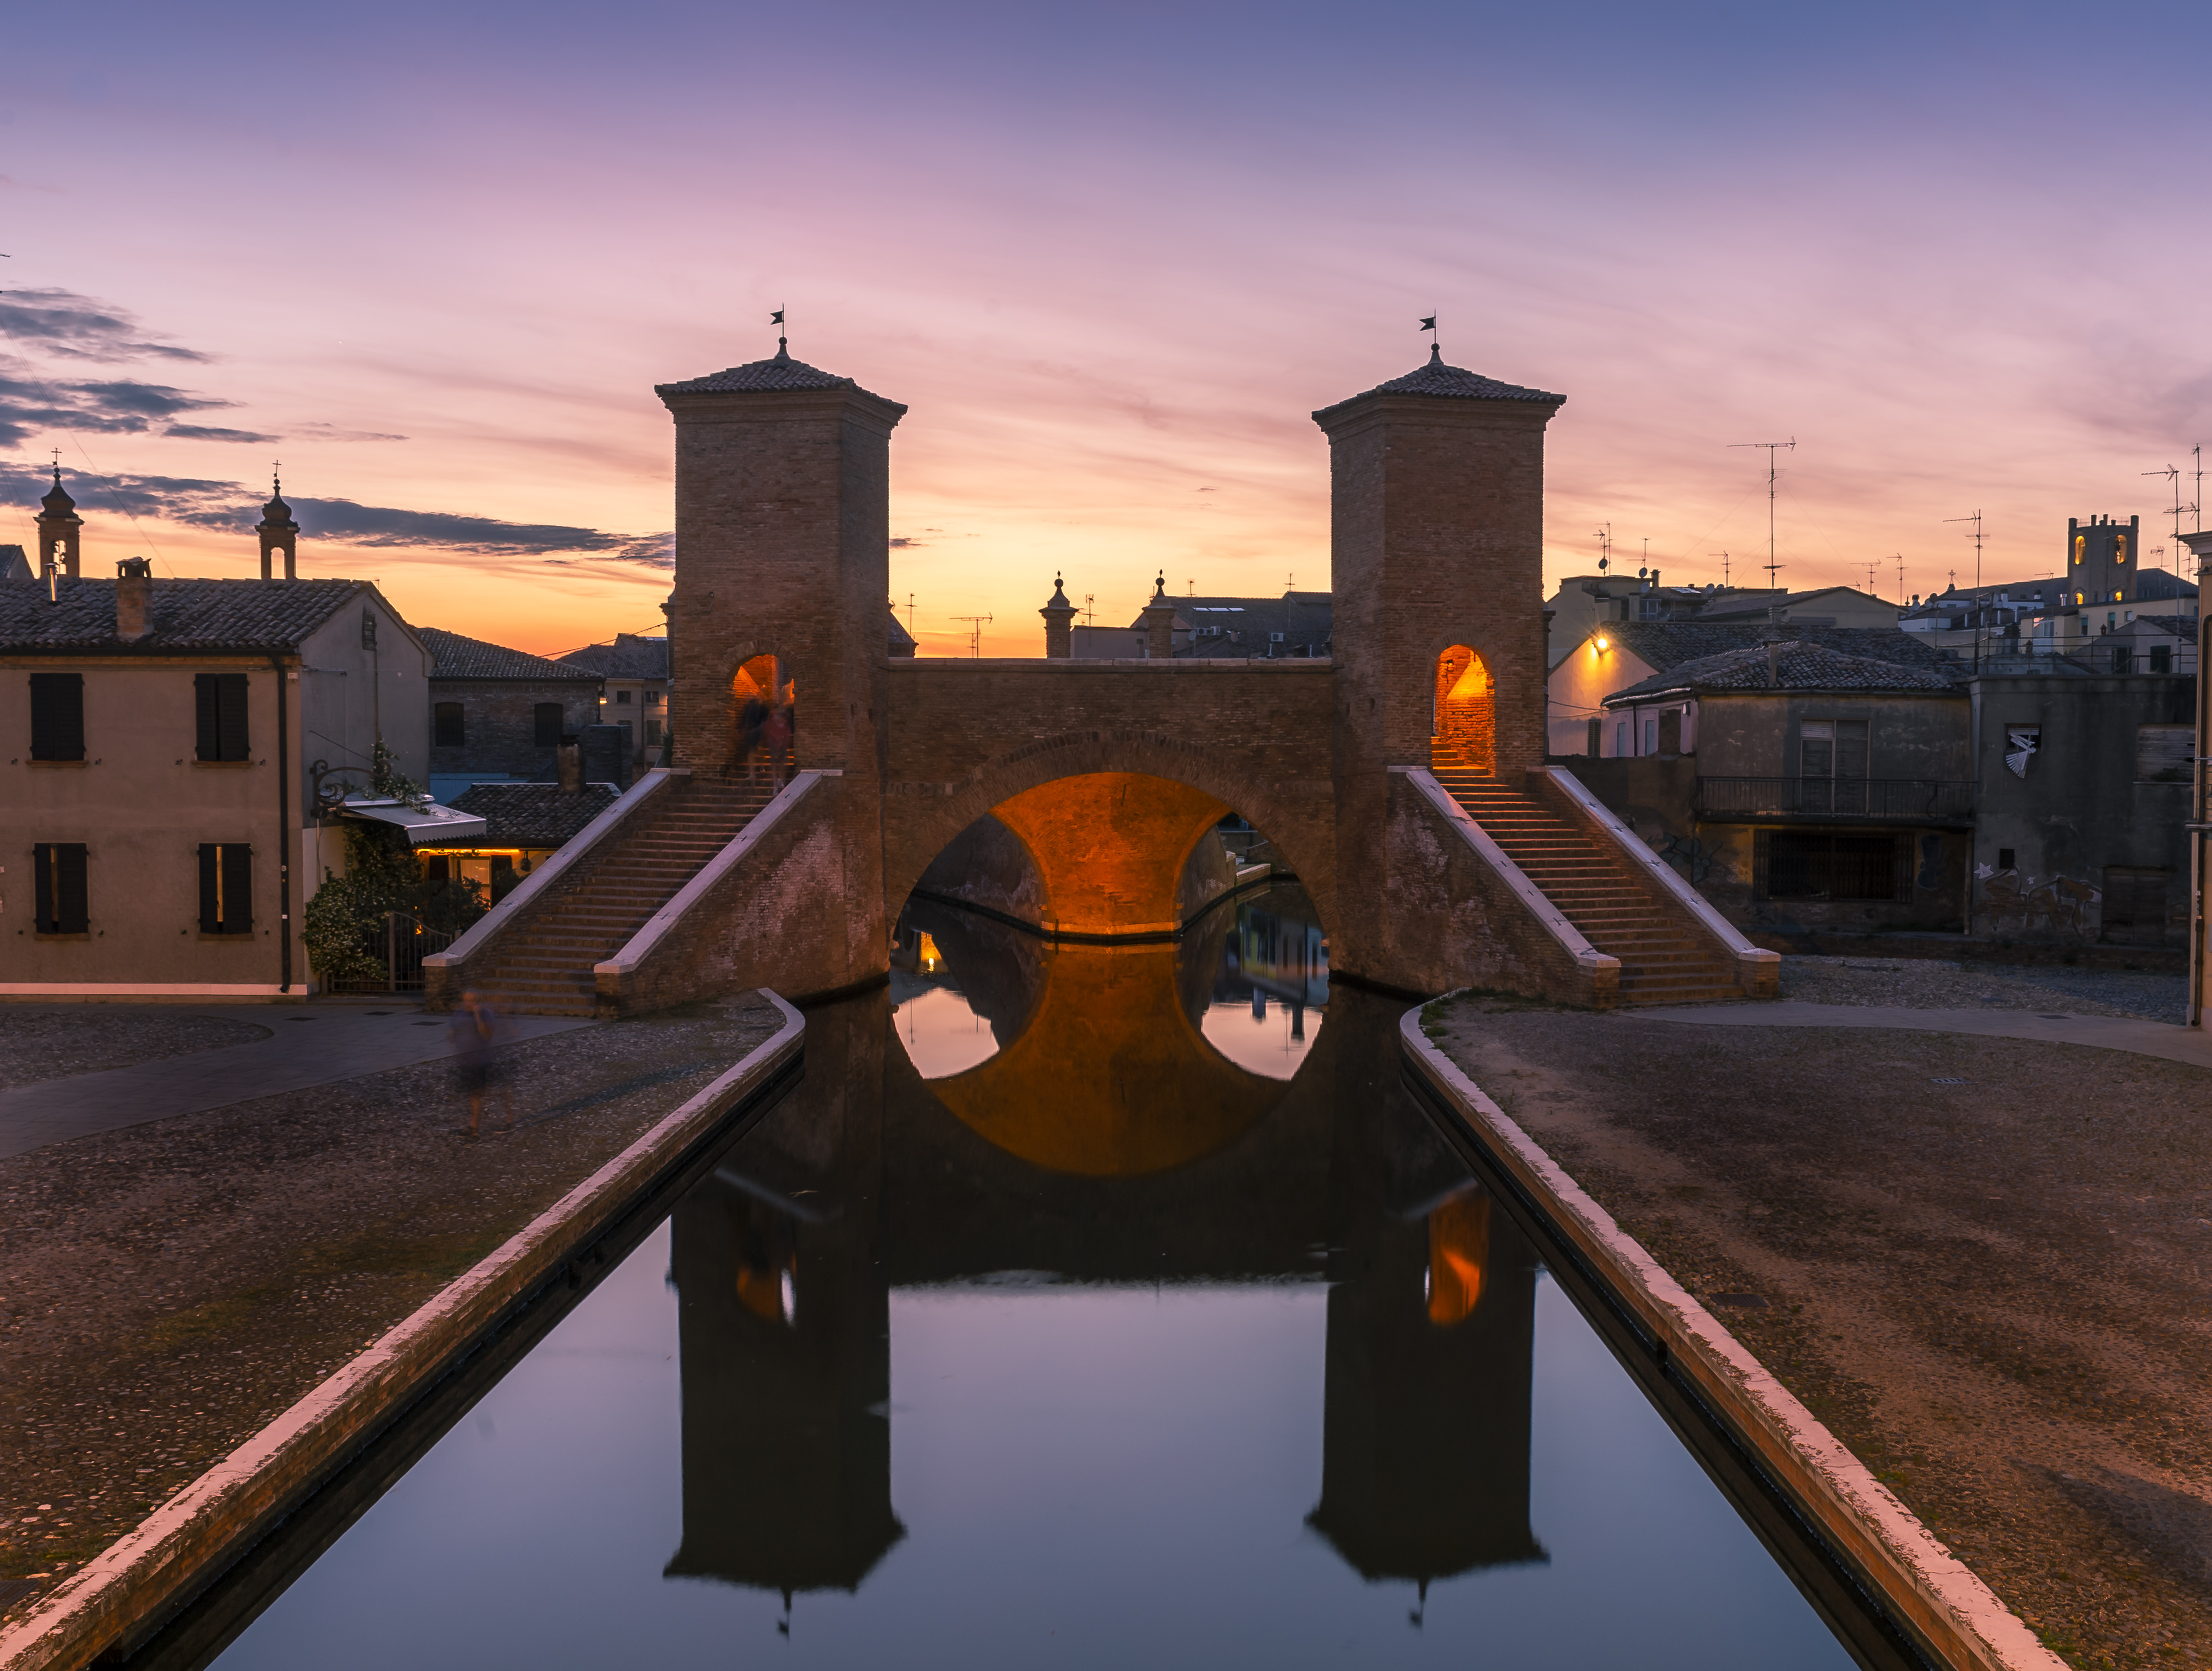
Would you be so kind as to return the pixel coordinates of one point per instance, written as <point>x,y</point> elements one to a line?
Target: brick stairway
<point>542,966</point>
<point>1661,963</point>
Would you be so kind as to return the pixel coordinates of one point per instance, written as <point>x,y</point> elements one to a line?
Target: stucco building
<point>160,832</point>
<point>633,674</point>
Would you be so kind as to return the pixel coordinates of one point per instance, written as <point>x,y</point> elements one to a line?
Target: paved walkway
<point>312,1047</point>
<point>2145,1038</point>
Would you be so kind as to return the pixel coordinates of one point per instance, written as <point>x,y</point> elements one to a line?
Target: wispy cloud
<point>62,322</point>
<point>31,404</point>
<point>331,432</point>
<point>232,506</point>
<point>202,432</point>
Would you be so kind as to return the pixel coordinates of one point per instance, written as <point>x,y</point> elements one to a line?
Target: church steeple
<point>58,525</point>
<point>279,533</point>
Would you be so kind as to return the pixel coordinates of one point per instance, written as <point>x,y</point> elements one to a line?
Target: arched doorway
<point>761,690</point>
<point>1464,736</point>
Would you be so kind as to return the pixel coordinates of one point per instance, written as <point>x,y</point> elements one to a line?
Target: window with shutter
<point>447,731</point>
<point>226,887</point>
<point>219,715</point>
<point>59,899</point>
<point>56,716</point>
<point>548,718</point>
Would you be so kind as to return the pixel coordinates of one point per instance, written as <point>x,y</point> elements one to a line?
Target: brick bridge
<point>1403,780</point>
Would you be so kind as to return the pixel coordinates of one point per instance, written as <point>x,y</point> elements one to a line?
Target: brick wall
<point>500,722</point>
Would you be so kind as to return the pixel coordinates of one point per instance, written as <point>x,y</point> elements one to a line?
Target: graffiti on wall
<point>2013,902</point>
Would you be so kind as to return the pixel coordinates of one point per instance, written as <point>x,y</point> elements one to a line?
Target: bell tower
<point>58,527</point>
<point>279,533</point>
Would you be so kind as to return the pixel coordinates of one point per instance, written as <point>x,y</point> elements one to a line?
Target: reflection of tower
<point>786,1335</point>
<point>58,527</point>
<point>1432,1341</point>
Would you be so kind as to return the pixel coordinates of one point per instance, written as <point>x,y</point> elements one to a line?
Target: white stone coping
<point>641,945</point>
<point>1659,870</point>
<point>134,1579</point>
<point>1540,906</point>
<point>1923,1582</point>
<point>570,854</point>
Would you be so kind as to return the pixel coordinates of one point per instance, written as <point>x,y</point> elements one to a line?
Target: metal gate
<point>403,943</point>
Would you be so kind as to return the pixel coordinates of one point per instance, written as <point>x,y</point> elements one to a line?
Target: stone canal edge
<point>1953,1612</point>
<point>184,1544</point>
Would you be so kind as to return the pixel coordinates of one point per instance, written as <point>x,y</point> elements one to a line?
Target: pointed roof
<point>277,513</point>
<point>776,375</point>
<point>59,503</point>
<point>1449,383</point>
<point>201,615</point>
<point>1059,598</point>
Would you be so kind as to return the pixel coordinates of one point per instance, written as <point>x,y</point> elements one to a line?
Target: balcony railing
<point>1896,798</point>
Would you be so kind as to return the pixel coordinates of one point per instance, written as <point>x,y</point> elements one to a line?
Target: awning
<point>426,826</point>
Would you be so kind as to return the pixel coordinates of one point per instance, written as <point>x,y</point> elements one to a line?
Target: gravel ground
<point>37,1045</point>
<point>167,1288</point>
<point>1921,983</point>
<point>1986,1265</point>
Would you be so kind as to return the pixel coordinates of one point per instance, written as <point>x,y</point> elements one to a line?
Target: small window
<point>56,716</point>
<point>1651,735</point>
<point>446,729</point>
<point>60,901</point>
<point>1596,738</point>
<point>2124,661</point>
<point>2161,658</point>
<point>226,887</point>
<point>547,716</point>
<point>653,698</point>
<point>219,700</point>
<point>2008,859</point>
<point>368,629</point>
<point>621,696</point>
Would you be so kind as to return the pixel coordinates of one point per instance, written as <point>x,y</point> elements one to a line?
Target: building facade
<point>497,714</point>
<point>165,741</point>
<point>633,673</point>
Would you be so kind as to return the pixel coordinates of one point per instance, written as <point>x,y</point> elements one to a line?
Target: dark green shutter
<point>210,909</point>
<point>59,867</point>
<point>56,716</point>
<point>207,709</point>
<point>237,888</point>
<point>231,726</point>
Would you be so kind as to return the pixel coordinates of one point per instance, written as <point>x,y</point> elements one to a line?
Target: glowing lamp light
<point>1603,643</point>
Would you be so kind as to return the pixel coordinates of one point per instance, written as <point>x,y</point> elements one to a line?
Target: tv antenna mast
<point>1975,519</point>
<point>1900,580</point>
<point>975,625</point>
<point>1872,563</point>
<point>2173,479</point>
<point>1723,557</point>
<point>1772,448</point>
<point>1604,548</point>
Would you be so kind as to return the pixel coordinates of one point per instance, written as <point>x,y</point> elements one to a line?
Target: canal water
<point>1083,1307</point>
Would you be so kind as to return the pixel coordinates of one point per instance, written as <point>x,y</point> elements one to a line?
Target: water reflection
<point>1272,1383</point>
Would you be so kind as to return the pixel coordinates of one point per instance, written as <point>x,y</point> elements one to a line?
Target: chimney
<point>568,766</point>
<point>134,599</point>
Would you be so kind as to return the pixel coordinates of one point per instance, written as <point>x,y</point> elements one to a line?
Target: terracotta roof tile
<point>1804,667</point>
<point>779,374</point>
<point>1665,644</point>
<point>454,657</point>
<point>533,815</point>
<point>1450,383</point>
<point>215,616</point>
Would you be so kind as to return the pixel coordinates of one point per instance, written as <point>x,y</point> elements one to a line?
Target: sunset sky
<point>434,259</point>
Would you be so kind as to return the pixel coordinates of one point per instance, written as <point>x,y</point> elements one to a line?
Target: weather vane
<point>776,319</point>
<point>1435,349</point>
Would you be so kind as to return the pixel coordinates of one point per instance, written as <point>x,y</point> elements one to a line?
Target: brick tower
<point>58,527</point>
<point>1059,623</point>
<point>1437,533</point>
<point>783,551</point>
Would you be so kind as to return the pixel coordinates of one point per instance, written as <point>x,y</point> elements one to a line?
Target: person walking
<point>474,1034</point>
<point>776,734</point>
<point>752,721</point>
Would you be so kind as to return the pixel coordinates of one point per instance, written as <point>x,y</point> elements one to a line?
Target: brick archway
<point>1464,733</point>
<point>917,827</point>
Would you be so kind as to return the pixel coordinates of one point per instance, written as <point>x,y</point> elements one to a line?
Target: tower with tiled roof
<point>58,527</point>
<point>279,533</point>
<point>1059,623</point>
<point>1437,539</point>
<point>783,551</point>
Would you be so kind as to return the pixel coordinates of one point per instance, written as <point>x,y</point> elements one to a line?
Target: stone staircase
<point>1661,961</point>
<point>542,965</point>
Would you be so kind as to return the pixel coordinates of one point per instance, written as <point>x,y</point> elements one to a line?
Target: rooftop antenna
<point>1090,616</point>
<point>1290,582</point>
<point>1901,577</point>
<point>2173,477</point>
<point>1604,547</point>
<point>1872,563</point>
<point>1772,448</point>
<point>909,614</point>
<point>1723,557</point>
<point>1975,519</point>
<point>975,625</point>
<point>1190,588</point>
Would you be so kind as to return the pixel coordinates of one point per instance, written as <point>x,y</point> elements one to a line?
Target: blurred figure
<point>752,721</point>
<point>474,1034</point>
<point>776,736</point>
